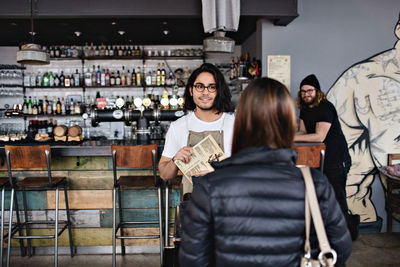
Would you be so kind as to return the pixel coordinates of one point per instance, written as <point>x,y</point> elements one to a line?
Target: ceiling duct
<point>31,53</point>
<point>220,16</point>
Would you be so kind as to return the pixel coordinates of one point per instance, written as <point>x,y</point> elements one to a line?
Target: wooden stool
<point>141,156</point>
<point>35,157</point>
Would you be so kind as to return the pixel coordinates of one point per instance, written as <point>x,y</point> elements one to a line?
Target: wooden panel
<point>27,156</point>
<point>82,199</point>
<point>134,156</point>
<point>36,200</point>
<point>130,215</point>
<point>92,237</point>
<point>309,155</point>
<point>85,163</point>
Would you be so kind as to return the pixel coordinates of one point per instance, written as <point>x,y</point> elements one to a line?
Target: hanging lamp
<point>31,53</point>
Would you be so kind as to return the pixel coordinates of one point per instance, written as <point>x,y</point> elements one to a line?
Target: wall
<point>326,39</point>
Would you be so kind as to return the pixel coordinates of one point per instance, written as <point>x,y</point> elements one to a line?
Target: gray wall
<point>330,36</point>
<point>326,39</point>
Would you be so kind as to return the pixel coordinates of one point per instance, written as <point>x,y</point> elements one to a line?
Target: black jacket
<point>250,212</point>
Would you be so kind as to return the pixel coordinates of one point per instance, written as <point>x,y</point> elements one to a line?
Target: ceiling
<point>143,22</point>
<point>137,31</point>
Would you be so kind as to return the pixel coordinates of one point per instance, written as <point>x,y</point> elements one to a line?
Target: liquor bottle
<point>27,79</point>
<point>54,105</point>
<point>106,51</point>
<point>51,79</point>
<point>158,75</point>
<point>96,51</point>
<point>107,78</point>
<point>63,111</point>
<point>153,77</point>
<point>118,79</point>
<point>46,80</point>
<point>39,79</point>
<point>58,107</point>
<point>51,51</point>
<point>115,50</point>
<point>164,100</point>
<point>91,52</point>
<point>30,105</point>
<point>128,78</point>
<point>40,107</point>
<point>56,81</point>
<point>72,107</point>
<point>148,78</point>
<point>163,75</point>
<point>72,81</point>
<point>112,79</point>
<point>25,106</point>
<point>45,103</point>
<point>110,51</point>
<point>32,81</point>
<point>133,77</point>
<point>88,78</point>
<point>139,77</point>
<point>94,76</point>
<point>77,78</point>
<point>77,108</point>
<point>123,76</point>
<point>102,51</point>
<point>98,76</point>
<point>62,79</point>
<point>103,78</point>
<point>67,106</point>
<point>67,81</point>
<point>86,50</point>
<point>50,128</point>
<point>34,107</point>
<point>120,51</point>
<point>49,107</point>
<point>57,52</point>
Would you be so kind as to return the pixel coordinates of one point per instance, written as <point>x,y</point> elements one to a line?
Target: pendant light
<point>31,53</point>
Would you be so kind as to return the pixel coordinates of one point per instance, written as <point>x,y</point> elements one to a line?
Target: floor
<point>369,250</point>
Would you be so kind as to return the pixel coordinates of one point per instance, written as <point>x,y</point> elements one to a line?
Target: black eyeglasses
<point>201,87</point>
<point>309,91</point>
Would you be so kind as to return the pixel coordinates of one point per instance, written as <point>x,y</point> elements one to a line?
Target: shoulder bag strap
<point>317,218</point>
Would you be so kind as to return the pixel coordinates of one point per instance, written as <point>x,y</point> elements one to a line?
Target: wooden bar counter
<point>88,168</point>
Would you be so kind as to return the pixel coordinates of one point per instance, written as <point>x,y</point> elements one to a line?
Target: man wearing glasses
<point>319,123</point>
<point>208,100</point>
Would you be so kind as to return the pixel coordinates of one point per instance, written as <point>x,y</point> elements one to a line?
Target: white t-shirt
<point>178,132</point>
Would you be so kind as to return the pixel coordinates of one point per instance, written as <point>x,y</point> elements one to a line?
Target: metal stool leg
<point>114,228</point>
<point>2,225</point>
<point>10,227</point>
<point>160,224</point>
<point>56,232</point>
<point>18,226</point>
<point>121,219</point>
<point>26,222</point>
<point>71,246</point>
<point>166,214</point>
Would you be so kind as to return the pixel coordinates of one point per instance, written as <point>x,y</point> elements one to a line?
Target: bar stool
<point>140,156</point>
<point>36,157</point>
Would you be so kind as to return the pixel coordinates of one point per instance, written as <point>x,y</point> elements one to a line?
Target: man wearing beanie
<point>319,123</point>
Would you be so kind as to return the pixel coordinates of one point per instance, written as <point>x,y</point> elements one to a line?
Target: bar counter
<point>88,168</point>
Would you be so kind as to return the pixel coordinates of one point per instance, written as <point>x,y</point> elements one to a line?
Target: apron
<point>193,139</point>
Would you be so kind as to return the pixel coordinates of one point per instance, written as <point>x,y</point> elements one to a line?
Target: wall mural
<point>367,99</point>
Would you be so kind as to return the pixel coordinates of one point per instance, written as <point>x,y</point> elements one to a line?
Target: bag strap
<point>307,247</point>
<point>317,219</point>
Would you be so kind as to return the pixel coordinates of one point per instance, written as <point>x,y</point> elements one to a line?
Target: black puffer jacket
<point>250,212</point>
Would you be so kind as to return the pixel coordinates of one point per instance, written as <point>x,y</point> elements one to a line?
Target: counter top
<point>102,147</point>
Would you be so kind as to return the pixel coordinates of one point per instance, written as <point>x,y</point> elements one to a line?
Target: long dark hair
<point>222,102</point>
<point>265,116</point>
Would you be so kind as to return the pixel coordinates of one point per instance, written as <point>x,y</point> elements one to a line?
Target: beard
<point>311,102</point>
<point>205,108</point>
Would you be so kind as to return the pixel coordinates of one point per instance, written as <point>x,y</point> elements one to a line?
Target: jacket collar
<point>260,155</point>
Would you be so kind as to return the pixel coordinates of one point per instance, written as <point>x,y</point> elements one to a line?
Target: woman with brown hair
<point>250,211</point>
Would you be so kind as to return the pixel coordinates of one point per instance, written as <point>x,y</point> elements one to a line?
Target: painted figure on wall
<point>367,99</point>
